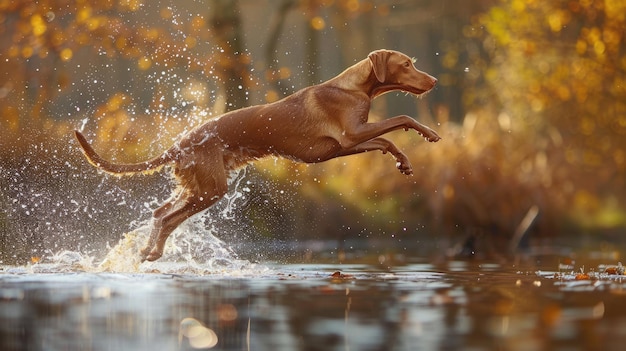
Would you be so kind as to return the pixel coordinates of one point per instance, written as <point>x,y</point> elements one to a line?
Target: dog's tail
<point>149,166</point>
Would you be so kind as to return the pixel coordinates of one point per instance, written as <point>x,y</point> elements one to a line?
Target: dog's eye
<point>407,64</point>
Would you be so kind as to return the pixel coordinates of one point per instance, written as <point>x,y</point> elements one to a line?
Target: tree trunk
<point>232,63</point>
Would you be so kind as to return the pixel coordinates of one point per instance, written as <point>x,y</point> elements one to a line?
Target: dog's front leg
<point>407,123</point>
<point>424,131</point>
<point>362,132</point>
<point>385,146</point>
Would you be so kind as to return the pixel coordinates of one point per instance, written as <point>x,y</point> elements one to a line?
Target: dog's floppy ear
<point>379,63</point>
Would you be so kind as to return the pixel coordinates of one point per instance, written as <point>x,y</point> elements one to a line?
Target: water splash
<point>193,248</point>
<point>55,209</point>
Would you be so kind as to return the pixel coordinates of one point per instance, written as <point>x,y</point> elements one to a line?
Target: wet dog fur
<point>313,125</point>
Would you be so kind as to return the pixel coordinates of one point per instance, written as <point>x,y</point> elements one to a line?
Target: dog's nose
<point>433,81</point>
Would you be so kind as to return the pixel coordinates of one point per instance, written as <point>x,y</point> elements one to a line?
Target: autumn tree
<point>558,69</point>
<point>48,50</point>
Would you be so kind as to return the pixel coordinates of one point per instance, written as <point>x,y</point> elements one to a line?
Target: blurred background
<point>531,105</point>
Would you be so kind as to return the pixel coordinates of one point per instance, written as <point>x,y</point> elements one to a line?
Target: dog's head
<point>395,71</point>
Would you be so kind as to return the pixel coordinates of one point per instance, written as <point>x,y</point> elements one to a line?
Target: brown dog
<point>313,125</point>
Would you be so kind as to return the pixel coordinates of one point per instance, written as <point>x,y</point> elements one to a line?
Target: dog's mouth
<point>408,89</point>
<point>418,92</point>
<point>424,92</point>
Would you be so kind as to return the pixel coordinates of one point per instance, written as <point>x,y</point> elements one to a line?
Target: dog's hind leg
<point>208,185</point>
<point>157,217</point>
<point>166,225</point>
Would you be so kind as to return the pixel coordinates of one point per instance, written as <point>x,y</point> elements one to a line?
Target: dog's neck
<point>360,77</point>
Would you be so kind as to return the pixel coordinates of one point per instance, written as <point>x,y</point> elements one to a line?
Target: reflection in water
<point>307,307</point>
<point>199,336</point>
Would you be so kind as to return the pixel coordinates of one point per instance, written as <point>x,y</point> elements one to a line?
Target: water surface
<point>413,305</point>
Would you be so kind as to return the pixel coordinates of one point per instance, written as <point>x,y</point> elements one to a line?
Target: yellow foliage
<point>38,24</point>
<point>66,54</point>
<point>553,136</point>
<point>318,23</point>
<point>144,63</point>
<point>571,79</point>
<point>84,13</point>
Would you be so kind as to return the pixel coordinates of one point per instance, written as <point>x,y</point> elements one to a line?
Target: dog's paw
<point>143,253</point>
<point>433,139</point>
<point>153,256</point>
<point>149,254</point>
<point>430,135</point>
<point>404,166</point>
